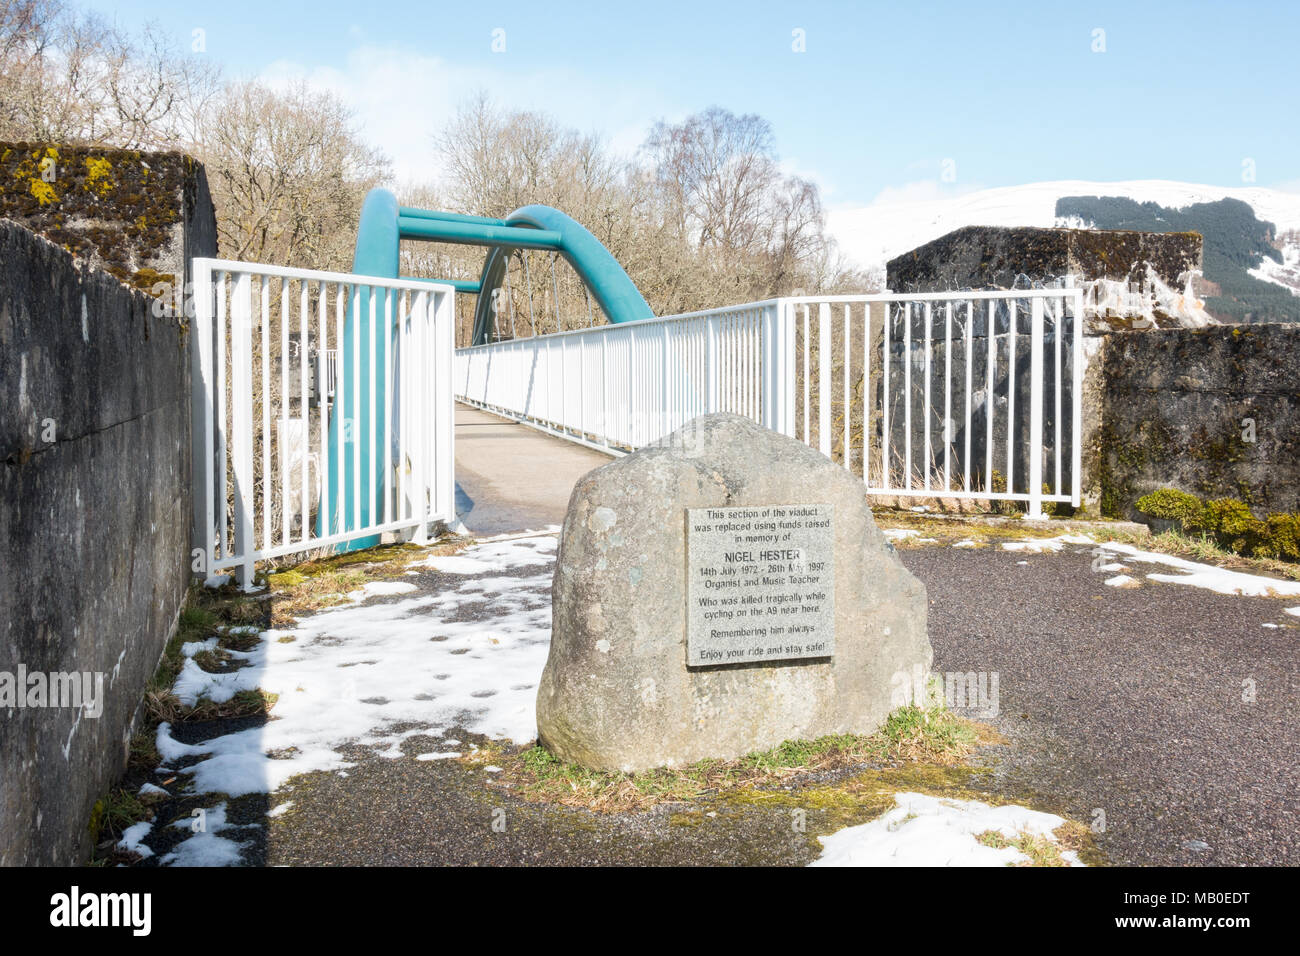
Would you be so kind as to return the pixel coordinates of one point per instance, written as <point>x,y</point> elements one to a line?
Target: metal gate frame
<point>232,513</point>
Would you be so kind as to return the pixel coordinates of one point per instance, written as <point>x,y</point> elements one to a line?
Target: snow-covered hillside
<point>873,234</point>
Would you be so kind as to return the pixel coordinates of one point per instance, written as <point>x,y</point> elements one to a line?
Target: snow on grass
<point>900,534</point>
<point>380,589</point>
<point>923,830</point>
<point>968,543</point>
<point>470,655</point>
<point>207,847</point>
<point>495,554</point>
<point>132,837</point>
<point>1123,581</point>
<point>1040,545</point>
<point>1206,576</point>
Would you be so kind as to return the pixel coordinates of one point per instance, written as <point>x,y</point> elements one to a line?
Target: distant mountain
<point>876,233</point>
<point>1240,250</point>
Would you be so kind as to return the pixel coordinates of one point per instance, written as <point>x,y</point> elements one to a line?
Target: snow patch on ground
<point>132,836</point>
<point>207,847</point>
<point>1123,581</point>
<point>923,830</point>
<point>355,673</point>
<point>380,589</point>
<point>494,555</point>
<point>1041,545</point>
<point>1206,576</point>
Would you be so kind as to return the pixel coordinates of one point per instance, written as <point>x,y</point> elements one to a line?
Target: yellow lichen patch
<point>99,178</point>
<point>44,192</point>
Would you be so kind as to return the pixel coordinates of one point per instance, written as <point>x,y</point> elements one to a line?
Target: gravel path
<point>1127,702</point>
<point>1131,701</point>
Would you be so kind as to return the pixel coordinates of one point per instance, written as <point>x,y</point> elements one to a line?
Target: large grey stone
<point>616,692</point>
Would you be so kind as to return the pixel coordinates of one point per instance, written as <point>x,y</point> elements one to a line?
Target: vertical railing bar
<point>1036,349</point>
<point>303,410</point>
<point>265,285</point>
<point>372,366</point>
<point>202,390</point>
<point>886,471</point>
<point>223,432</point>
<point>807,380</point>
<point>965,461</point>
<point>322,403</point>
<point>848,407</point>
<point>387,339</point>
<point>1058,328</point>
<point>907,395</point>
<point>947,397</point>
<point>282,421</point>
<point>824,384</point>
<point>342,392</point>
<point>354,419</point>
<point>929,388</point>
<point>866,391</point>
<point>241,359</point>
<point>1011,395</point>
<point>990,320</point>
<point>1076,403</point>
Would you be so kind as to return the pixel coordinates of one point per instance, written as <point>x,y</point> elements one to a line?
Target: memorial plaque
<point>760,584</point>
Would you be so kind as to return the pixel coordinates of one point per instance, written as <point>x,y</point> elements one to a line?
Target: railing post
<point>1076,400</point>
<point>604,388</point>
<point>201,438</point>
<point>770,381</point>
<point>786,362</point>
<point>445,432</point>
<point>824,378</point>
<point>241,356</point>
<point>424,463</point>
<point>1035,409</point>
<point>710,365</point>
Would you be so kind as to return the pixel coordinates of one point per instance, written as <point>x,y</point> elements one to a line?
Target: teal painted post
<point>376,255</point>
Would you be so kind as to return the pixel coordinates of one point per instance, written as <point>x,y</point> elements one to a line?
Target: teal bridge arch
<point>382,226</point>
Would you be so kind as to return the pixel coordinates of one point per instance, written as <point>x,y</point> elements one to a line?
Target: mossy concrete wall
<point>1213,411</point>
<point>140,216</point>
<point>993,257</point>
<point>95,516</point>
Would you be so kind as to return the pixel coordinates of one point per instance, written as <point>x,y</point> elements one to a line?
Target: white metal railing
<point>928,395</point>
<point>266,455</point>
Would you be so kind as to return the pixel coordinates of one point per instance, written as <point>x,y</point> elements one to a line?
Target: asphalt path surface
<point>1122,708</point>
<point>1165,716</point>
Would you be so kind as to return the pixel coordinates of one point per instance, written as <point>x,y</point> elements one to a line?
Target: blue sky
<point>883,95</point>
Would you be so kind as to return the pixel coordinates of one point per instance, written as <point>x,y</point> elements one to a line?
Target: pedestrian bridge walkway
<point>510,477</point>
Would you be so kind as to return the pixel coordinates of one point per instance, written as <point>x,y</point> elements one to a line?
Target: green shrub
<point>1233,523</point>
<point>1283,532</point>
<point>1170,504</point>
<point>1229,521</point>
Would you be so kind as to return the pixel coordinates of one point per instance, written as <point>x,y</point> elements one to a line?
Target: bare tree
<point>288,173</point>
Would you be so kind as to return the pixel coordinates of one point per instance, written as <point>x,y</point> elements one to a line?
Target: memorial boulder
<point>718,594</point>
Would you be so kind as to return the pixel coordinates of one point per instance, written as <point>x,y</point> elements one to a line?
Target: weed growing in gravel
<point>910,735</point>
<point>1040,850</point>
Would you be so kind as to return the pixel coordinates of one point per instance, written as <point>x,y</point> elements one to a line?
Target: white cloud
<point>403,99</point>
